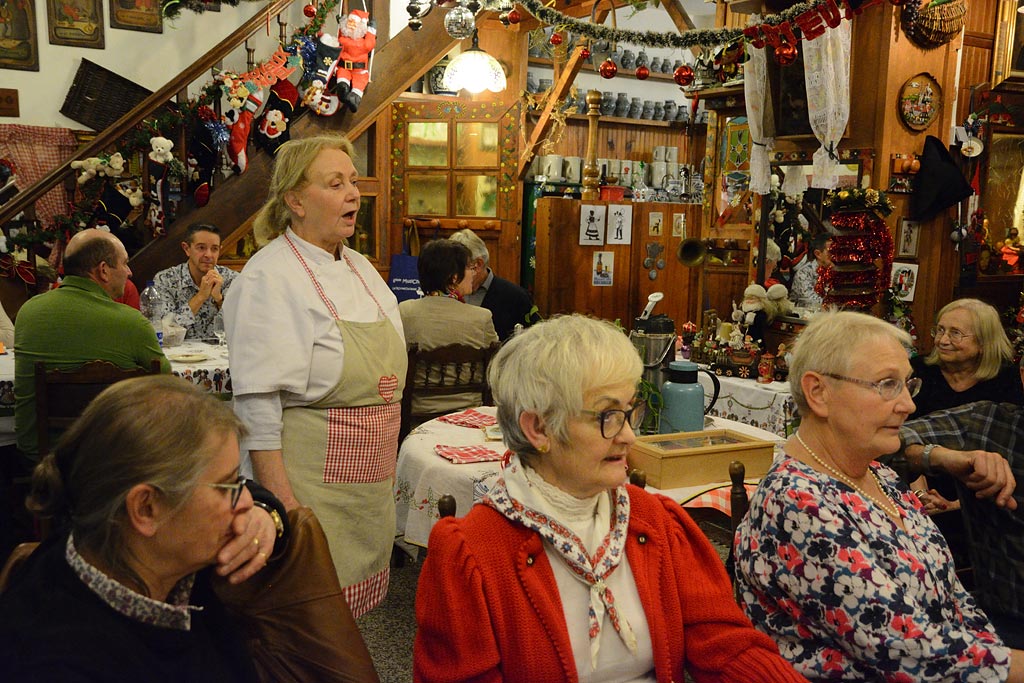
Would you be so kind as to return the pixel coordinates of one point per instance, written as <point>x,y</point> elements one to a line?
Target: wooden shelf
<point>727,97</point>
<point>624,73</point>
<point>688,126</point>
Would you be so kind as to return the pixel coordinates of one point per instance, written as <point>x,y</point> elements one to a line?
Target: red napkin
<point>469,418</point>
<point>460,455</point>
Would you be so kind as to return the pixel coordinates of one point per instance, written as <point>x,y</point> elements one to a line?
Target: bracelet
<point>926,458</point>
<point>274,515</point>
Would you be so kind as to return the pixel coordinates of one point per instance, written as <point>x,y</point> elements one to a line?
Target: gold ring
<point>263,555</point>
<point>256,541</point>
<point>919,492</point>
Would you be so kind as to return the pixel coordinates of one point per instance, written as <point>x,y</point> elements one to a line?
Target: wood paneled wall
<point>636,141</point>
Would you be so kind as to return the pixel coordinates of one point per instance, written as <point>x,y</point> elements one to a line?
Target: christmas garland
<point>171,9</point>
<point>689,39</point>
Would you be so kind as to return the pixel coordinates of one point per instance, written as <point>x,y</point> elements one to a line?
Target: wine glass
<point>219,331</point>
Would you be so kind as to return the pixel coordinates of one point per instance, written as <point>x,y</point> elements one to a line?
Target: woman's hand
<point>253,543</point>
<point>934,502</point>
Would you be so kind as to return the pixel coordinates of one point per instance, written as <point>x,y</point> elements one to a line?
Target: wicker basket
<point>938,25</point>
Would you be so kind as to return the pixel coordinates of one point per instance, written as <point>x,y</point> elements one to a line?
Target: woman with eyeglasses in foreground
<point>148,480</point>
<point>836,560</point>
<point>563,572</point>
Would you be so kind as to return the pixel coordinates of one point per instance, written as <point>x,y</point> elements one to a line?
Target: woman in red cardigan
<point>565,573</point>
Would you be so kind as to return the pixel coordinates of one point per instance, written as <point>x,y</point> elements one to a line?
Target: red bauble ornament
<point>556,39</point>
<point>309,11</point>
<point>585,53</point>
<point>514,17</point>
<point>785,54</point>
<point>642,72</point>
<point>608,69</point>
<point>683,75</point>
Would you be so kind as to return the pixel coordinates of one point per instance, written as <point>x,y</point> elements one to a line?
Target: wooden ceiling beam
<point>558,92</point>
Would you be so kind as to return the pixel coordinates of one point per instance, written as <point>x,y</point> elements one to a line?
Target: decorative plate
<point>920,101</point>
<point>972,147</point>
<point>188,357</point>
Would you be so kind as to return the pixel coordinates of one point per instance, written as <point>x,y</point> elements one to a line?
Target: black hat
<point>939,184</point>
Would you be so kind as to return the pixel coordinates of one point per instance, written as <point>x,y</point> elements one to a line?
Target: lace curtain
<point>827,75</point>
<point>760,116</point>
<point>36,151</point>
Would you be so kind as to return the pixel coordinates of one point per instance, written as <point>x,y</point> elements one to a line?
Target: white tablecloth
<point>423,476</point>
<point>201,363</point>
<point>766,406</point>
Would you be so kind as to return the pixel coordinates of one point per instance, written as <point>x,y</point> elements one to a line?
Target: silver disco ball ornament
<point>460,23</point>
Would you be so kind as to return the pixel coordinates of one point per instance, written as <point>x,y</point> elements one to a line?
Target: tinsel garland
<point>863,238</point>
<point>685,40</point>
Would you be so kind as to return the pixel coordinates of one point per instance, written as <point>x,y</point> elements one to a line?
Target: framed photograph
<point>136,15</point>
<point>909,233</point>
<point>655,224</point>
<point>904,279</point>
<point>603,271</point>
<point>620,224</point>
<point>19,48</point>
<point>1008,57</point>
<point>679,225</point>
<point>78,23</point>
<point>592,221</point>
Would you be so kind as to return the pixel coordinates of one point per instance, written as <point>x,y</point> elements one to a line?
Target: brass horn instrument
<point>692,252</point>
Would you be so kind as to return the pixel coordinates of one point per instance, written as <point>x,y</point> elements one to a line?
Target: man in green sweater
<point>77,323</point>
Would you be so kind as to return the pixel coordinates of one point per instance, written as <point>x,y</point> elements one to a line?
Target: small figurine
<point>766,369</point>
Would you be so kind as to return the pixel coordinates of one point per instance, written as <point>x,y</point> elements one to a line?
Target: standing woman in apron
<point>318,362</point>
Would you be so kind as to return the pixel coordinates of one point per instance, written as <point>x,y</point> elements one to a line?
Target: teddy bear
<point>161,150</point>
<point>88,169</point>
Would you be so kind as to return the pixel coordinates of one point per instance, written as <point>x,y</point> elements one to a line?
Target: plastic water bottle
<point>152,305</point>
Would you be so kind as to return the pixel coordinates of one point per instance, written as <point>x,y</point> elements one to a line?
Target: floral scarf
<point>506,496</point>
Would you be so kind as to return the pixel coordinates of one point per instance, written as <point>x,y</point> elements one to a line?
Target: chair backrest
<point>739,504</point>
<point>444,371</point>
<point>62,394</point>
<point>14,562</point>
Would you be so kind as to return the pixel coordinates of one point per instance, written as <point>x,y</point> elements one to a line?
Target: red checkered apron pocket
<point>362,444</point>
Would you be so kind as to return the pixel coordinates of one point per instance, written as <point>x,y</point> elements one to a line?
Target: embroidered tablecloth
<point>203,364</point>
<point>765,406</point>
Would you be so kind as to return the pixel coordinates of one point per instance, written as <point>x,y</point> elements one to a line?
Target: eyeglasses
<point>952,334</point>
<point>612,421</point>
<point>235,488</point>
<point>888,388</point>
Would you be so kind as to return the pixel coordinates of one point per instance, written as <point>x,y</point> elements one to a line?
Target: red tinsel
<point>863,238</point>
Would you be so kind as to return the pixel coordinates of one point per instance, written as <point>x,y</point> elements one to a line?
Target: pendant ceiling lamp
<point>474,70</point>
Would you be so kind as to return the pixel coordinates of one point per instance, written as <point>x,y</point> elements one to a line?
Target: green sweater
<point>69,326</point>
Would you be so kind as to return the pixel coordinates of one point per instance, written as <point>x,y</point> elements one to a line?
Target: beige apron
<point>340,452</point>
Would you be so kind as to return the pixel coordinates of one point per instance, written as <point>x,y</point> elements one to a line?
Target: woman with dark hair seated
<point>441,318</point>
<point>148,481</point>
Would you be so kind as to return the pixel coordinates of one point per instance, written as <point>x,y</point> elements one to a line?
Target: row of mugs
<point>557,168</point>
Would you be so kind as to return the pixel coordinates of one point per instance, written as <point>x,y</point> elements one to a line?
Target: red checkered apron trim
<point>361,444</point>
<point>367,594</point>
<point>320,290</point>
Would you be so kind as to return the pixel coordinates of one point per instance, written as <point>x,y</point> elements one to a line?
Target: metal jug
<point>655,340</point>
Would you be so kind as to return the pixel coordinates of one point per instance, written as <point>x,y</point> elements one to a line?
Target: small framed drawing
<point>603,272</point>
<point>909,234</point>
<point>620,223</point>
<point>78,24</point>
<point>904,280</point>
<point>592,221</point>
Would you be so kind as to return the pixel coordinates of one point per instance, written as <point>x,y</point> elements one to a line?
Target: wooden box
<point>697,458</point>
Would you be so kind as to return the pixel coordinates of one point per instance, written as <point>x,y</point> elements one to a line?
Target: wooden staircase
<point>235,200</point>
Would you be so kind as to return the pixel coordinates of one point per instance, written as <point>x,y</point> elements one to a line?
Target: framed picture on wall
<point>78,23</point>
<point>909,233</point>
<point>19,49</point>
<point>904,279</point>
<point>136,15</point>
<point>1008,57</point>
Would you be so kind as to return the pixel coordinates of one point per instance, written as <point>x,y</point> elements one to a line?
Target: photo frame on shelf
<point>133,16</point>
<point>908,237</point>
<point>20,48</point>
<point>78,24</point>
<point>1008,57</point>
<point>904,280</point>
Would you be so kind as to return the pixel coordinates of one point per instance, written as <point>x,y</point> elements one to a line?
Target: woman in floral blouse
<point>837,561</point>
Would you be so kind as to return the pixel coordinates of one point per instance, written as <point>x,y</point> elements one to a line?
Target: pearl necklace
<point>888,506</point>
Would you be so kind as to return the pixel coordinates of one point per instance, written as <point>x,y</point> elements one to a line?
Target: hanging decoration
<point>642,73</point>
<point>309,11</point>
<point>761,121</point>
<point>785,54</point>
<point>555,39</point>
<point>608,68</point>
<point>683,75</point>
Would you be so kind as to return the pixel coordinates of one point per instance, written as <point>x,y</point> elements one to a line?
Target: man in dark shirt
<point>508,303</point>
<point>996,533</point>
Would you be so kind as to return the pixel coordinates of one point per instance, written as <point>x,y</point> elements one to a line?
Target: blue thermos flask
<point>683,398</point>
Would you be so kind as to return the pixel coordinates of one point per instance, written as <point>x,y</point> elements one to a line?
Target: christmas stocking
<point>238,143</point>
<point>272,126</point>
<point>202,155</point>
<point>316,96</point>
<point>158,199</point>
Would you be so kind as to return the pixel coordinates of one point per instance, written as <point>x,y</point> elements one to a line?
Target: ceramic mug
<point>658,171</point>
<point>573,167</point>
<point>625,172</point>
<point>551,167</point>
<point>604,167</point>
<point>613,168</point>
<point>659,153</point>
<point>672,155</point>
<point>671,169</point>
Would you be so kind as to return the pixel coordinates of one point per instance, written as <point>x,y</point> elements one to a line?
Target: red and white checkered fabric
<point>362,444</point>
<point>717,498</point>
<point>35,151</point>
<point>368,593</point>
<point>469,418</point>
<point>461,455</point>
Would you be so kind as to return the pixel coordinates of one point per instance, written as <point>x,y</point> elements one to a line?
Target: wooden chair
<point>739,504</point>
<point>14,561</point>
<point>61,395</point>
<point>445,371</point>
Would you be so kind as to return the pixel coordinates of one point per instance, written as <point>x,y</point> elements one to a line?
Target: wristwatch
<point>926,457</point>
<point>274,515</point>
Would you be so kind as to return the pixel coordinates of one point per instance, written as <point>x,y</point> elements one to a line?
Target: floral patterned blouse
<point>848,595</point>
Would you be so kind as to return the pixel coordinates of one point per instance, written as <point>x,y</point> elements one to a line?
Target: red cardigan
<point>488,608</point>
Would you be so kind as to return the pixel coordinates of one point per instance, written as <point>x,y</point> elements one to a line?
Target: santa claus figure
<point>357,39</point>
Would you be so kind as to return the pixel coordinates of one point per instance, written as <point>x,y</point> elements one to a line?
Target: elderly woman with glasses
<point>147,481</point>
<point>563,572</point>
<point>835,560</point>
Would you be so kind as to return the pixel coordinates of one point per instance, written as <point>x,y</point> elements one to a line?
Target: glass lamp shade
<point>474,70</point>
